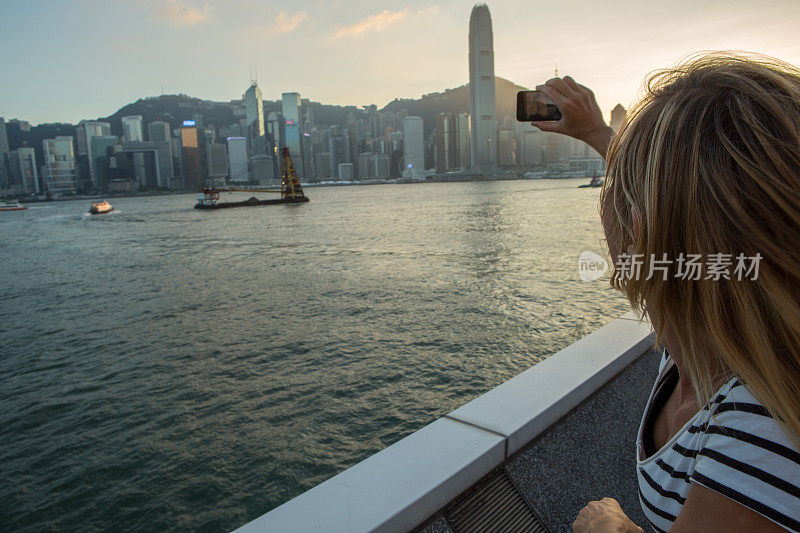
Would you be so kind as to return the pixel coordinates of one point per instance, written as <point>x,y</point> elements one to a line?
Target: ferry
<point>100,208</point>
<point>12,205</point>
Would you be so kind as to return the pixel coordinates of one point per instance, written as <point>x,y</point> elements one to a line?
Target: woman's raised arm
<point>581,117</point>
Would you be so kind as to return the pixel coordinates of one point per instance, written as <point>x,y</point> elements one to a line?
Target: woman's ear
<point>636,224</point>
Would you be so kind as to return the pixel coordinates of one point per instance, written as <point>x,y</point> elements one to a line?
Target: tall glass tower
<point>290,105</point>
<point>254,113</point>
<point>483,142</point>
<point>254,108</point>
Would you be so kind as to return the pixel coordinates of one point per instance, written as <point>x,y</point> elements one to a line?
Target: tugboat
<point>597,181</point>
<point>100,208</point>
<point>12,205</point>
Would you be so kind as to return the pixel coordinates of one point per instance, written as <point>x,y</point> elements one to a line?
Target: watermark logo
<point>716,267</point>
<point>693,267</point>
<point>591,266</point>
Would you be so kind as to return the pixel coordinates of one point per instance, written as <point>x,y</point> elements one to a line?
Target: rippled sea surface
<point>165,368</point>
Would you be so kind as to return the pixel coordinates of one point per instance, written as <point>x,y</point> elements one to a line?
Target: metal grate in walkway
<point>495,505</point>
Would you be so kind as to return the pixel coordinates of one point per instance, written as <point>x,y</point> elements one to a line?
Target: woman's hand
<point>603,516</point>
<point>581,117</point>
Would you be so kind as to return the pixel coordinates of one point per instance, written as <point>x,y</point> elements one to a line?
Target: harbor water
<point>166,368</point>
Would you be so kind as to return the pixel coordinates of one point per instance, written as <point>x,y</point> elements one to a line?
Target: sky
<point>67,60</point>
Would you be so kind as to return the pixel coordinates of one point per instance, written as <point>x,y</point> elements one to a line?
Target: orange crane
<point>290,185</point>
<point>291,190</point>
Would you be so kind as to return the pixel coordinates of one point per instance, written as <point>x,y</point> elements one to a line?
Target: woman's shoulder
<point>736,417</point>
<point>747,456</point>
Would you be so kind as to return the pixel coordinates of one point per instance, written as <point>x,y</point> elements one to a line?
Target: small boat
<point>99,208</point>
<point>12,205</point>
<point>597,181</point>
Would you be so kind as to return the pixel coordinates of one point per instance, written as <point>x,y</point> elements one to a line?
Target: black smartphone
<point>535,105</point>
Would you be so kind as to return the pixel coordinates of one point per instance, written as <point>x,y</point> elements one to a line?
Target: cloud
<point>373,23</point>
<point>284,23</point>
<point>181,13</point>
<point>429,12</point>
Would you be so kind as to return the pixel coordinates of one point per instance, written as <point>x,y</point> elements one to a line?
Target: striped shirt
<point>732,446</point>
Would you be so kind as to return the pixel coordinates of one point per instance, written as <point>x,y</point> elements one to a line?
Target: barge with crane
<point>291,191</point>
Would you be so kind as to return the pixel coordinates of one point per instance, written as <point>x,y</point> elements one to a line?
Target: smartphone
<point>535,105</point>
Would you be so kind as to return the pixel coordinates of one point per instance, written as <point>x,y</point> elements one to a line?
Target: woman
<point>708,164</point>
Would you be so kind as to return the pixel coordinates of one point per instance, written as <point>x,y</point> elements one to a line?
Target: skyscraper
<point>254,117</point>
<point>413,145</point>
<point>158,131</point>
<point>98,158</point>
<point>217,162</point>
<point>254,108</point>
<point>291,120</point>
<point>237,159</point>
<point>23,166</point>
<point>59,171</point>
<point>133,132</point>
<point>132,128</point>
<point>323,166</point>
<point>85,132</point>
<point>191,158</point>
<point>532,145</point>
<point>462,140</point>
<point>5,158</point>
<point>445,151</point>
<point>506,148</point>
<point>557,148</point>
<point>338,147</point>
<point>346,172</point>
<point>452,141</point>
<point>372,166</point>
<point>618,115</point>
<point>481,90</point>
<point>274,128</point>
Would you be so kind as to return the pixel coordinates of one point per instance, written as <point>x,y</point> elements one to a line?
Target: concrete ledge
<point>395,489</point>
<point>403,485</point>
<point>524,406</point>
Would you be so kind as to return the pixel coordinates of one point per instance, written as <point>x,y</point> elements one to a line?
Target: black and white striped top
<point>732,446</point>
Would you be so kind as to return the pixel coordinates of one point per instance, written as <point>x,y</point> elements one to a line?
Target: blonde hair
<point>708,161</point>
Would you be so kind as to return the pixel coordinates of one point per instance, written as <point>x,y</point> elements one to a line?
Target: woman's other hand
<point>581,117</point>
<point>604,516</point>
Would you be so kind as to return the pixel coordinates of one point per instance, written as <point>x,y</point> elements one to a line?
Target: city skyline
<point>367,53</point>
